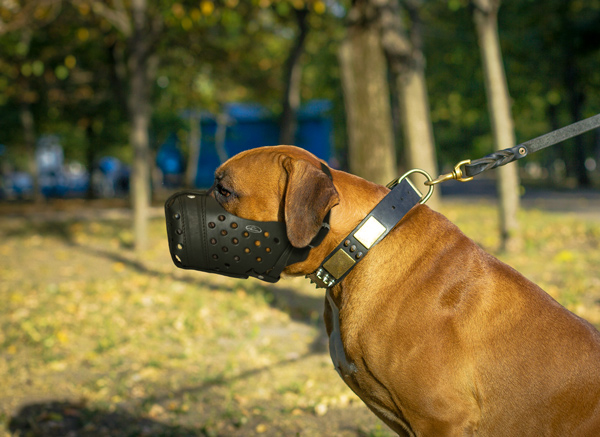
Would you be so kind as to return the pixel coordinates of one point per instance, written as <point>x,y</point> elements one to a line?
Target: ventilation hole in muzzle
<point>257,243</point>
<point>237,258</point>
<point>178,259</point>
<point>246,234</point>
<point>268,249</point>
<point>276,240</point>
<point>235,241</point>
<point>191,196</point>
<point>179,246</point>
<point>234,225</point>
<point>225,249</point>
<point>266,234</point>
<point>211,225</point>
<point>221,218</point>
<point>246,250</point>
<point>176,216</point>
<point>179,231</point>
<point>215,256</point>
<point>223,232</point>
<point>213,241</point>
<point>227,265</point>
<point>259,259</point>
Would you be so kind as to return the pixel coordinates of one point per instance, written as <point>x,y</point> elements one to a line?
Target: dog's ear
<point>309,196</point>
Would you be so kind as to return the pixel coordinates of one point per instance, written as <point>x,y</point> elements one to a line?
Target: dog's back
<point>464,343</point>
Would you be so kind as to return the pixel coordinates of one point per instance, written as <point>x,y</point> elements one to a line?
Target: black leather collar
<point>370,231</point>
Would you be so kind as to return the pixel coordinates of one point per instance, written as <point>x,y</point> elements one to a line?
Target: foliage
<point>210,53</point>
<point>536,61</point>
<point>62,60</point>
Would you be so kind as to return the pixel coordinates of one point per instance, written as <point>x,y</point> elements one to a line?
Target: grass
<point>96,342</point>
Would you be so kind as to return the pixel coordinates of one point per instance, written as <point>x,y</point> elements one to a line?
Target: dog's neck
<point>357,198</point>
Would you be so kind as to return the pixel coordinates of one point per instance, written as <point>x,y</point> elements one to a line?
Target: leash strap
<point>465,170</point>
<point>370,231</point>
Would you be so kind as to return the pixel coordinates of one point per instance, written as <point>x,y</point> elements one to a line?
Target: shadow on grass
<point>302,308</point>
<point>60,419</point>
<point>223,380</point>
<point>56,229</point>
<point>76,419</point>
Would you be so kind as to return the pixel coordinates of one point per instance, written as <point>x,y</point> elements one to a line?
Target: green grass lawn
<point>95,342</point>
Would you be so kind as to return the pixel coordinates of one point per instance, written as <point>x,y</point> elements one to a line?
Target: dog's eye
<point>222,191</point>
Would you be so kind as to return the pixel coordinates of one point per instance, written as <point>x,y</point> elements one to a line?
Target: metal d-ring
<point>408,173</point>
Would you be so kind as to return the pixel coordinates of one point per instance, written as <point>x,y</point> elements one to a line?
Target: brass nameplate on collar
<point>369,232</point>
<point>339,264</point>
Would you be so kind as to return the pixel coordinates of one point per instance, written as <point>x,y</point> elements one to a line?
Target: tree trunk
<point>407,62</point>
<point>221,136</point>
<point>293,78</point>
<point>574,151</point>
<point>28,124</point>
<point>367,98</point>
<point>139,112</point>
<point>576,100</point>
<point>90,157</point>
<point>194,145</point>
<point>486,23</point>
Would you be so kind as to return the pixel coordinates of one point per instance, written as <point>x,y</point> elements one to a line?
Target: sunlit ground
<point>94,342</point>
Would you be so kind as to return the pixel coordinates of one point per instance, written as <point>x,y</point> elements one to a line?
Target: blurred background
<point>107,107</point>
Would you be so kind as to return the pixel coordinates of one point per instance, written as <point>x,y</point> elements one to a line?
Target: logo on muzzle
<point>254,229</point>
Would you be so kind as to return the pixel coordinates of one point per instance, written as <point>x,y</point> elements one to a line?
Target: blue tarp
<point>251,125</point>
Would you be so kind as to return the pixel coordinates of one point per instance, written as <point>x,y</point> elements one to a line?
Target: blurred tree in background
<point>402,36</point>
<point>485,14</point>
<point>367,96</point>
<point>531,43</point>
<point>96,72</point>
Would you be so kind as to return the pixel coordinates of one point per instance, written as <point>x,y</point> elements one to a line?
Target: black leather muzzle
<point>204,236</point>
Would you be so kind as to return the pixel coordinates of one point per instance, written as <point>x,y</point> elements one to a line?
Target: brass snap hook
<point>457,174</point>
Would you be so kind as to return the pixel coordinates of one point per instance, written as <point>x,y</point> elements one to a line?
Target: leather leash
<point>403,196</point>
<point>464,171</point>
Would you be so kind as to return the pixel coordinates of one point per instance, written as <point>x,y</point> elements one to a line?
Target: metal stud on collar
<point>424,198</point>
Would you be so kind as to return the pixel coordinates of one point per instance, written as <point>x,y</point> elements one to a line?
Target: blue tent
<point>247,126</point>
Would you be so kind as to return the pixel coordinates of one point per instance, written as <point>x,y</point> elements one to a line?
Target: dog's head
<point>277,183</point>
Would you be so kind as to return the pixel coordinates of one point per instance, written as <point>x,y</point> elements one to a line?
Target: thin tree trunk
<point>139,111</point>
<point>221,136</point>
<point>404,52</point>
<point>576,99</point>
<point>367,98</point>
<point>574,152</point>
<point>486,23</point>
<point>194,146</point>
<point>405,56</point>
<point>293,79</point>
<point>90,156</point>
<point>28,124</point>
<point>139,70</point>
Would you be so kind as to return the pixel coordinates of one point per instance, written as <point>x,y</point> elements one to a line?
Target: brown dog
<point>438,338</point>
